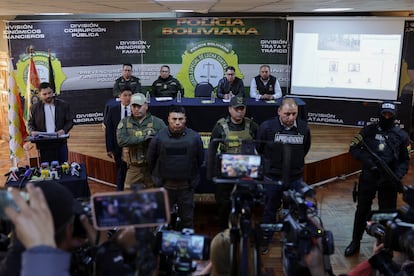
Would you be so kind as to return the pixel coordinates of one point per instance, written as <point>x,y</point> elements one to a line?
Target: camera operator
<point>284,161</point>
<point>44,238</point>
<point>87,249</point>
<point>379,147</point>
<point>385,261</point>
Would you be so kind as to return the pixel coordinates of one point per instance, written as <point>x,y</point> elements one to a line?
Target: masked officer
<point>233,128</point>
<point>391,144</point>
<point>134,134</point>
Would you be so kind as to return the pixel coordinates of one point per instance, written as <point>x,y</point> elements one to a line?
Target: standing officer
<point>166,85</point>
<point>126,80</point>
<point>233,128</point>
<point>134,134</point>
<point>391,144</point>
<point>175,156</point>
<point>265,86</point>
<point>289,141</point>
<point>112,119</point>
<point>230,85</point>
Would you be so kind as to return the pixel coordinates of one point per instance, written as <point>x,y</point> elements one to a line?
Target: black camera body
<point>298,227</point>
<point>82,206</point>
<point>395,229</point>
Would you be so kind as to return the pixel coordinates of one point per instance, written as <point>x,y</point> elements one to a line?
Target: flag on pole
<point>17,127</point>
<point>33,83</point>
<point>51,74</point>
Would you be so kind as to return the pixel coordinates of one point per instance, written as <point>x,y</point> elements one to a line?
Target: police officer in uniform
<point>126,80</point>
<point>289,141</point>
<point>392,145</point>
<point>265,86</point>
<point>175,156</point>
<point>166,85</point>
<point>233,129</point>
<point>134,134</point>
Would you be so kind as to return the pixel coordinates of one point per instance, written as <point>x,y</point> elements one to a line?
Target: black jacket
<point>63,117</point>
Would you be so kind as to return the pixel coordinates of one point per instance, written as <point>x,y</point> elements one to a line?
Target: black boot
<point>352,248</point>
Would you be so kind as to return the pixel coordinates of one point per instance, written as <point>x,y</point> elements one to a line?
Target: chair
<point>203,89</point>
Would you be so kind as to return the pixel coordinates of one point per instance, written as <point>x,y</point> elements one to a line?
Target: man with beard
<point>265,86</point>
<point>392,145</point>
<point>51,115</point>
<point>166,85</point>
<point>134,134</point>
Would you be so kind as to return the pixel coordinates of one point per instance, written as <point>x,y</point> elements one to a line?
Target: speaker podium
<point>48,146</point>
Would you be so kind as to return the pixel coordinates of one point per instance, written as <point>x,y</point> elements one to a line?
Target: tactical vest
<point>135,155</point>
<point>269,88</point>
<point>234,138</point>
<point>294,146</point>
<point>176,159</point>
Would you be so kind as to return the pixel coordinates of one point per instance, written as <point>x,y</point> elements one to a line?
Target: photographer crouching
<point>393,252</point>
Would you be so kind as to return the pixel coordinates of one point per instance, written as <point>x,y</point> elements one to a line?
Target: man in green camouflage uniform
<point>134,134</point>
<point>234,128</point>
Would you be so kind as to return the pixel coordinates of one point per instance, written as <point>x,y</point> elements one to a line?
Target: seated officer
<point>166,85</point>
<point>126,80</point>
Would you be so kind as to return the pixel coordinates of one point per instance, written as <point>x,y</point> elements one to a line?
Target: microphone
<point>27,174</point>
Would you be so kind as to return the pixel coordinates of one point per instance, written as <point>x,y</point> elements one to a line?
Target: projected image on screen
<point>346,58</point>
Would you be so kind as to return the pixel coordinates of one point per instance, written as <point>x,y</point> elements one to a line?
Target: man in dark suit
<point>51,115</point>
<point>114,115</point>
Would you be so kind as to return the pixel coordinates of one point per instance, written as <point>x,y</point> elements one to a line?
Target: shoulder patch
<point>120,125</point>
<point>354,141</point>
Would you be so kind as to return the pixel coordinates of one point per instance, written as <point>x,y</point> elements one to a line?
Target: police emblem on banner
<point>205,61</point>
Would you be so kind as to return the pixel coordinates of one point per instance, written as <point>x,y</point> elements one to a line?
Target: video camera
<point>300,225</point>
<point>395,229</point>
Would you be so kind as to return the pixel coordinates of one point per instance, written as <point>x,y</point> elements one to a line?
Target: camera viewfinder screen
<point>240,165</point>
<point>143,209</point>
<point>190,246</point>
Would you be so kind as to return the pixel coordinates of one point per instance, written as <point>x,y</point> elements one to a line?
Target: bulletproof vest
<point>288,150</point>
<point>135,155</point>
<point>269,88</point>
<point>385,144</point>
<point>234,138</point>
<point>176,159</point>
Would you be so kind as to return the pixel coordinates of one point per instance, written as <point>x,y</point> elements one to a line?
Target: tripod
<point>246,194</point>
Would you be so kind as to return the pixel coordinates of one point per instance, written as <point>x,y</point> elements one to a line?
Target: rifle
<point>383,166</point>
